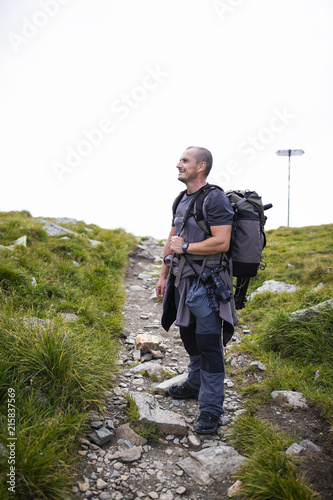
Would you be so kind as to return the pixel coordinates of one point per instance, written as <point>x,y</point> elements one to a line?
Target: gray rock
<point>234,489</point>
<point>101,485</point>
<point>126,432</point>
<point>83,486</point>
<point>54,230</point>
<point>144,276</point>
<point>115,474</point>
<point>225,421</point>
<point>294,449</point>
<point>166,496</point>
<point>214,463</point>
<point>259,365</point>
<point>136,355</point>
<point>68,316</point>
<point>309,445</point>
<point>145,253</point>
<point>105,496</point>
<point>306,314</point>
<point>65,220</point>
<point>131,454</point>
<point>274,286</point>
<point>95,242</point>
<point>37,322</point>
<point>293,398</point>
<point>109,424</point>
<point>169,422</point>
<point>20,241</point>
<point>146,342</point>
<point>194,440</point>
<point>101,436</point>
<point>96,424</point>
<point>151,367</point>
<point>163,388</point>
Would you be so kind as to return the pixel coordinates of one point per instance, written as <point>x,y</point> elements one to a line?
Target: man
<point>189,252</point>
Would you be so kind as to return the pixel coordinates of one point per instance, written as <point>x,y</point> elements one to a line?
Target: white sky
<point>243,78</point>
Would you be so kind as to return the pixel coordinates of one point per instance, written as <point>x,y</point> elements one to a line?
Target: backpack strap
<point>176,202</point>
<point>196,207</point>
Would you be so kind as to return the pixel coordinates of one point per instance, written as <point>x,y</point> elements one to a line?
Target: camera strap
<point>183,259</point>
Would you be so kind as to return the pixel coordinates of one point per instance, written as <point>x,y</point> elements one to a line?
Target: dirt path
<point>155,473</point>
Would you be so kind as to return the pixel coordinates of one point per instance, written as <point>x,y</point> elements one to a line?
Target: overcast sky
<point>99,98</point>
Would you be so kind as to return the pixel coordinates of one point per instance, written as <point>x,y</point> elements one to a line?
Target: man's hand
<point>176,244</point>
<point>160,287</point>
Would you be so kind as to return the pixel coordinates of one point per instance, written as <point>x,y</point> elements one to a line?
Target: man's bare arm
<point>218,242</point>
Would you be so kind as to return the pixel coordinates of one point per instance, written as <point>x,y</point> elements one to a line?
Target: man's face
<point>188,168</point>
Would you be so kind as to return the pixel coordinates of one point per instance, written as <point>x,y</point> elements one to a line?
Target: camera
<point>213,277</point>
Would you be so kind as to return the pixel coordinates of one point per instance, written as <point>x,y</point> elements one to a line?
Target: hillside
<point>61,319</point>
<point>61,302</point>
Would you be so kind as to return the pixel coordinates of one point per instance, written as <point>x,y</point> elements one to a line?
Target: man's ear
<point>202,166</point>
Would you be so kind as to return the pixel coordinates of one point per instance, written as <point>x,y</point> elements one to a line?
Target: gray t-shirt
<point>217,210</point>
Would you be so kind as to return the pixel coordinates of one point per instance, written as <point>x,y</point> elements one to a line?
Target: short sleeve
<point>217,209</point>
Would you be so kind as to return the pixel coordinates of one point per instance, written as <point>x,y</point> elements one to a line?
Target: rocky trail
<point>118,464</point>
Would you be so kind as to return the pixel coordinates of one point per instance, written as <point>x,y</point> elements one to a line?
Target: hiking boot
<point>183,391</point>
<point>206,423</point>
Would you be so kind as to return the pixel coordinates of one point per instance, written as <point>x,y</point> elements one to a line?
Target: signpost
<point>289,153</point>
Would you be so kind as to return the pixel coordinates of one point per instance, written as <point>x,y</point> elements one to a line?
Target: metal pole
<point>289,155</point>
<point>289,152</point>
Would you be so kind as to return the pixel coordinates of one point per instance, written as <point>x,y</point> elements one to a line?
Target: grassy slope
<point>58,371</point>
<point>298,355</point>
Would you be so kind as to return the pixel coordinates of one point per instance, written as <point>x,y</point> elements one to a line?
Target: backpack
<point>247,237</point>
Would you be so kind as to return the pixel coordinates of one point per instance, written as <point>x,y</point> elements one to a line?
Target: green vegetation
<point>268,472</point>
<point>298,355</point>
<point>55,371</point>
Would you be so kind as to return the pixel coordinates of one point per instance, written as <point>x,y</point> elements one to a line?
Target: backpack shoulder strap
<point>198,211</point>
<point>196,207</point>
<point>176,202</point>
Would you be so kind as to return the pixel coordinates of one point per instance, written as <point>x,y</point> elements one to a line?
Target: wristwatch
<point>185,247</point>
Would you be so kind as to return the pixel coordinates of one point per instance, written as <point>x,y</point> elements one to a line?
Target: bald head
<point>203,154</point>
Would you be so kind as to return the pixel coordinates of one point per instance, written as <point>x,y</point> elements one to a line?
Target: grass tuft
<point>268,473</point>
